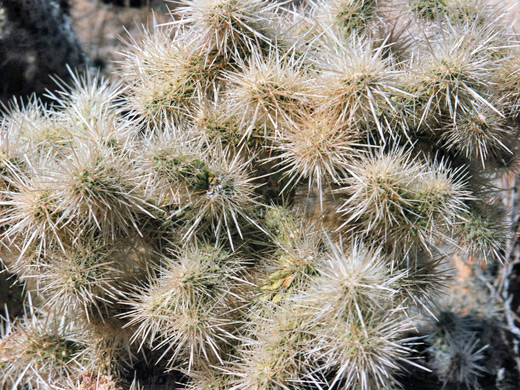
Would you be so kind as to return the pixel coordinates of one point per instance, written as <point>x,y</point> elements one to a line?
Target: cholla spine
<point>230,110</point>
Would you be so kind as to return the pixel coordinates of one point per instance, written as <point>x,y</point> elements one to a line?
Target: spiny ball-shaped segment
<point>380,187</point>
<point>422,282</point>
<point>458,11</point>
<point>270,352</point>
<point>457,355</point>
<point>232,28</point>
<point>30,217</point>
<point>87,277</point>
<point>91,106</point>
<point>451,78</point>
<point>429,9</point>
<point>347,16</point>
<point>363,353</point>
<point>351,282</point>
<point>33,129</point>
<point>215,121</point>
<point>443,192</point>
<point>166,75</point>
<point>358,85</point>
<point>507,80</point>
<point>42,351</point>
<point>395,198</point>
<point>226,194</point>
<point>171,166</point>
<point>483,231</point>
<point>316,149</point>
<point>189,310</point>
<point>267,90</point>
<point>97,189</point>
<point>478,134</point>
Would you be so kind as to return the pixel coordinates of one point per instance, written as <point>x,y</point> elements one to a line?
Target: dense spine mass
<point>262,202</point>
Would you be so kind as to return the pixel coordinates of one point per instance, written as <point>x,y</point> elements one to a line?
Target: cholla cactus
<point>190,308</point>
<point>262,202</point>
<point>42,348</point>
<point>457,354</point>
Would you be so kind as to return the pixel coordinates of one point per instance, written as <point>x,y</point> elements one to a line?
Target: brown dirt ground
<point>103,28</point>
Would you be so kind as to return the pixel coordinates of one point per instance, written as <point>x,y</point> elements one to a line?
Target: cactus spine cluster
<point>260,203</point>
